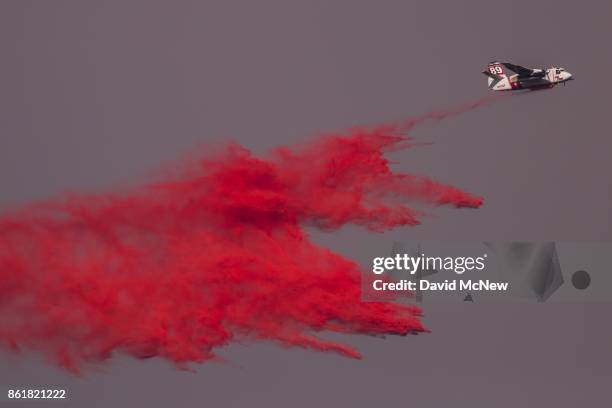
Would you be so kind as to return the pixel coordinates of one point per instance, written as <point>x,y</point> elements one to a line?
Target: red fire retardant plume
<point>212,255</point>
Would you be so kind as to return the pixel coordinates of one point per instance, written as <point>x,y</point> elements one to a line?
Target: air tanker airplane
<point>524,78</point>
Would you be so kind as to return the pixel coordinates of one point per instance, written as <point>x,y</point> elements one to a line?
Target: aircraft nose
<point>569,76</point>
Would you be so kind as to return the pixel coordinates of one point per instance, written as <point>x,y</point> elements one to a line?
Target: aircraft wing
<point>522,71</point>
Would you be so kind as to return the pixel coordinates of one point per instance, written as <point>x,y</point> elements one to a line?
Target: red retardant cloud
<point>213,255</point>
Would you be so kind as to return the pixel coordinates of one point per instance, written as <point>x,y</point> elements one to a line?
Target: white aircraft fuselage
<point>524,78</point>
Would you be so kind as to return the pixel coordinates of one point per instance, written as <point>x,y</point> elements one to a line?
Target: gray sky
<point>98,94</point>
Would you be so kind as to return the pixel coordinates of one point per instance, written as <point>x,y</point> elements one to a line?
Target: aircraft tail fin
<point>495,72</point>
<point>496,69</point>
<point>490,75</point>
